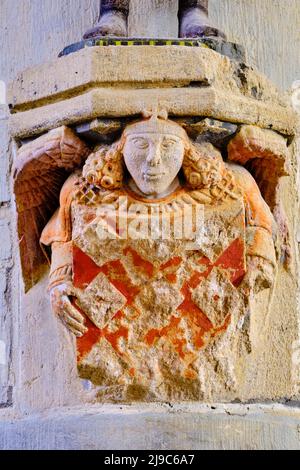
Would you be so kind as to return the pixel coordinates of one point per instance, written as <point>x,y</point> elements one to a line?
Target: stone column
<point>6,262</point>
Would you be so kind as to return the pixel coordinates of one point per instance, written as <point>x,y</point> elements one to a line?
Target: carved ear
<point>41,168</point>
<point>265,154</point>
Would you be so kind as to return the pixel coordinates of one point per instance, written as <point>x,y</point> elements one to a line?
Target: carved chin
<point>155,186</point>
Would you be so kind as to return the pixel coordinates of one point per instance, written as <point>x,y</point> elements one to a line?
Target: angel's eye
<point>140,143</point>
<point>168,144</point>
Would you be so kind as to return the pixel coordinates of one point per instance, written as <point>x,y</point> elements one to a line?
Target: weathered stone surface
<point>101,301</point>
<point>105,102</point>
<point>211,130</point>
<point>245,23</point>
<point>252,142</point>
<point>109,66</point>
<point>144,352</point>
<point>100,130</point>
<point>229,49</point>
<point>108,130</point>
<point>253,146</point>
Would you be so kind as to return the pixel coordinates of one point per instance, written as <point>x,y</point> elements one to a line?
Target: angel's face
<point>153,160</point>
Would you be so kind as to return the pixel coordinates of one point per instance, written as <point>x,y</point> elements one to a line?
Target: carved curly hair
<point>105,167</point>
<point>202,167</point>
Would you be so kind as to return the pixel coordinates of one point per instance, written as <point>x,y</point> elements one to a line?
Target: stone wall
<point>269,30</point>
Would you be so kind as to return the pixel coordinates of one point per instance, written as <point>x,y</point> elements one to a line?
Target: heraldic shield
<point>153,306</point>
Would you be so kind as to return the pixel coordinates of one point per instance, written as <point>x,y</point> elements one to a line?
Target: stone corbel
<point>221,120</point>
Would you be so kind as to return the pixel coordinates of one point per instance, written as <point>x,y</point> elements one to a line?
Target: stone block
<point>107,102</point>
<point>100,130</point>
<point>181,427</point>
<point>211,130</point>
<point>121,81</point>
<point>111,66</point>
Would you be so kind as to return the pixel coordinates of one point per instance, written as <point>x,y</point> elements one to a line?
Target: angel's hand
<point>260,275</point>
<point>63,308</point>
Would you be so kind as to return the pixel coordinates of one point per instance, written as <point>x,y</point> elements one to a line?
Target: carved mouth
<point>153,176</point>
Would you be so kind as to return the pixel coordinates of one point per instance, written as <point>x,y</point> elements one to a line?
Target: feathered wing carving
<point>40,170</point>
<point>265,154</point>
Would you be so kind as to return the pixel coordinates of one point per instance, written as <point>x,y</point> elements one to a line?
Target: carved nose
<point>154,156</point>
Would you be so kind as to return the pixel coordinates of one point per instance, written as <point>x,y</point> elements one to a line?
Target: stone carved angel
<point>147,312</point>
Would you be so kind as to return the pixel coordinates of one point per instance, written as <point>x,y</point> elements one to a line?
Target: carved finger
<point>75,325</point>
<point>73,312</point>
<point>74,331</point>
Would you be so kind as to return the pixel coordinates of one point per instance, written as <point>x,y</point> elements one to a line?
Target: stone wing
<point>40,170</point>
<point>265,154</point>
